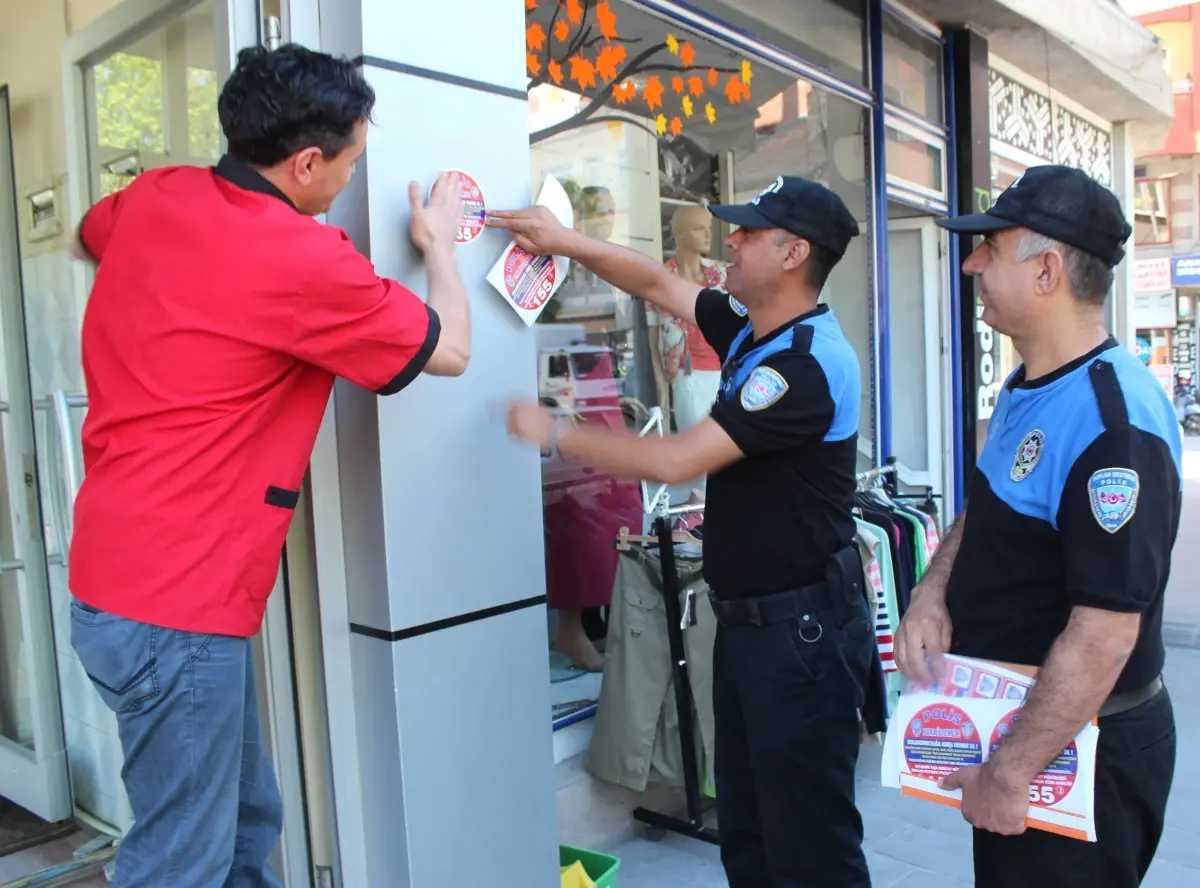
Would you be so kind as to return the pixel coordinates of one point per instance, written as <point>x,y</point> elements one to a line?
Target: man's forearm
<point>634,273</point>
<point>937,575</point>
<point>1077,677</point>
<point>617,452</point>
<point>448,297</point>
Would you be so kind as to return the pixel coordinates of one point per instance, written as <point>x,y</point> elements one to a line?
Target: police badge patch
<point>738,309</point>
<point>1114,495</point>
<point>764,387</point>
<point>1029,451</point>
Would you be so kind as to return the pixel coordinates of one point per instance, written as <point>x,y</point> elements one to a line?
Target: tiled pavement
<point>919,845</point>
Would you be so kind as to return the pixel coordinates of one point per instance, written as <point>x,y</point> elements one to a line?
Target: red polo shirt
<point>219,317</point>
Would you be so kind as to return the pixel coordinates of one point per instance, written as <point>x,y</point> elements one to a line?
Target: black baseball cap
<point>805,208</point>
<point>1058,202</point>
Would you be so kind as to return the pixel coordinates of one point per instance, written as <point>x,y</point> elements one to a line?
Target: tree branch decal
<point>600,69</point>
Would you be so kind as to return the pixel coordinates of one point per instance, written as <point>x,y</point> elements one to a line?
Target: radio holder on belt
<point>657,823</point>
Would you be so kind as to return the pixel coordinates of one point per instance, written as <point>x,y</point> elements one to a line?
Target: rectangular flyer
<point>525,280</point>
<point>938,729</point>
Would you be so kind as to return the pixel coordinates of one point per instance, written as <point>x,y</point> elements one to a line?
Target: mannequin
<point>690,366</point>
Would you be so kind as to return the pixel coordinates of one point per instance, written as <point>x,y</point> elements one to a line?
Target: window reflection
<point>645,124</point>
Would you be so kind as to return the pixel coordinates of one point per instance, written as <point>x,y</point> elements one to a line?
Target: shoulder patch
<point>738,309</point>
<point>1114,495</point>
<point>763,388</point>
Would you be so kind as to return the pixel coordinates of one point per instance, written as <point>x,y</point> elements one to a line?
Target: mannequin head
<point>692,227</point>
<point>595,211</point>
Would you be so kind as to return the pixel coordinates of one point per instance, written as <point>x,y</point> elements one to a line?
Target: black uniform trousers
<point>1135,764</point>
<point>787,742</point>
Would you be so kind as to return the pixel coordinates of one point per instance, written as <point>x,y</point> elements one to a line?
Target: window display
<point>646,124</point>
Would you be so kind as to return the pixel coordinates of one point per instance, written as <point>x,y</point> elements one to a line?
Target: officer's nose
<point>975,263</point>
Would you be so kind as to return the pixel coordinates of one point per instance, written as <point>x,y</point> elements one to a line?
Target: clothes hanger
<point>625,538</point>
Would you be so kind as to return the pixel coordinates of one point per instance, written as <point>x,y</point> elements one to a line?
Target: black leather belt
<point>1127,700</point>
<point>794,604</point>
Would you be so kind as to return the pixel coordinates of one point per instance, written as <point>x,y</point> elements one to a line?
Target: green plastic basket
<point>601,868</point>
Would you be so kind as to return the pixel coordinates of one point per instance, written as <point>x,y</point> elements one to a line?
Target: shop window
<point>912,69</point>
<point>645,123</point>
<point>826,33</point>
<point>916,159</point>
<point>1152,211</point>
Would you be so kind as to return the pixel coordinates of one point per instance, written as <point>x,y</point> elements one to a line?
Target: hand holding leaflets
<point>945,727</point>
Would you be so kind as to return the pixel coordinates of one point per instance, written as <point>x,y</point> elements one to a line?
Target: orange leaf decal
<point>561,31</point>
<point>532,64</point>
<point>607,20</point>
<point>606,63</point>
<point>652,92</point>
<point>677,85</point>
<point>535,37</point>
<point>618,52</point>
<point>582,72</point>
<point>676,126</point>
<point>575,12</point>
<point>625,92</point>
<point>713,76</point>
<point>733,89</point>
<point>687,55</point>
<point>530,5</point>
<point>696,85</point>
<point>554,69</point>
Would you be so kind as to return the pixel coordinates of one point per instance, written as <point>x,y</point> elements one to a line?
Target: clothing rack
<point>882,476</point>
<point>658,823</point>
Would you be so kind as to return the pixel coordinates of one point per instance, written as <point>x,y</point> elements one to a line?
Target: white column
<point>1121,307</point>
<point>442,739</point>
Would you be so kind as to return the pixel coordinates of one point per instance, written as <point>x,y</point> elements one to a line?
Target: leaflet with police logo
<point>938,729</point>
<point>525,280</point>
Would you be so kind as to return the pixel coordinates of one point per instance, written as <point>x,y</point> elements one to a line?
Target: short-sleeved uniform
<point>785,693</point>
<point>1076,503</point>
<point>219,317</point>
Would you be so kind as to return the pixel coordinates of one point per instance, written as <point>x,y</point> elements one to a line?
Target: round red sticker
<point>939,740</point>
<point>1055,783</point>
<point>474,214</point>
<point>528,278</point>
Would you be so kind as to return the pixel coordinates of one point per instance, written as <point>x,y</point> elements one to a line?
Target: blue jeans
<point>205,802</point>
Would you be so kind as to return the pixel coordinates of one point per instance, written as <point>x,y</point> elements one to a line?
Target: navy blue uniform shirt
<point>790,400</point>
<point>1075,501</point>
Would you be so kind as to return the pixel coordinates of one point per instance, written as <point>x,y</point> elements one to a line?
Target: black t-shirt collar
<point>1019,380</point>
<point>246,177</point>
<point>751,343</point>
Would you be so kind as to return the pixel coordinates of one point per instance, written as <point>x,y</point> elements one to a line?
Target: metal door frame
<point>39,780</point>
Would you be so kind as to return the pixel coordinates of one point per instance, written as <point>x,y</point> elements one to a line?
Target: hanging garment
<point>635,738</point>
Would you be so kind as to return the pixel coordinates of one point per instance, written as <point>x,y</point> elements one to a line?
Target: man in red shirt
<point>220,315</point>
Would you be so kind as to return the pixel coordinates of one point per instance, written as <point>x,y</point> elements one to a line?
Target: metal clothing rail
<point>658,823</point>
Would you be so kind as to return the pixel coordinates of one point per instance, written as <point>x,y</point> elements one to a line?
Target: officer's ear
<point>1051,272</point>
<point>797,254</point>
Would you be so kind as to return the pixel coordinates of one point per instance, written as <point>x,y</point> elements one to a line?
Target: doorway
<point>140,86</point>
<point>920,361</point>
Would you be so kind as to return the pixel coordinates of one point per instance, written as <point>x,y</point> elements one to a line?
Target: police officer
<point>795,640</point>
<point>1061,558</point>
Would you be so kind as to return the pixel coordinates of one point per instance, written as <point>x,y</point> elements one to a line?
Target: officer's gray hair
<point>1090,278</point>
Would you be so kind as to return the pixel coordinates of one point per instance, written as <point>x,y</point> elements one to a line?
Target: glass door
<point>33,762</point>
<point>917,374</point>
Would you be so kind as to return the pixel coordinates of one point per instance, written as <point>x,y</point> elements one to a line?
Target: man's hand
<point>532,423</point>
<point>535,229</point>
<point>435,224</point>
<point>991,798</point>
<point>924,630</point>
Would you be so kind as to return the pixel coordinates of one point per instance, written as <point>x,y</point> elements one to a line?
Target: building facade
<point>434,566</point>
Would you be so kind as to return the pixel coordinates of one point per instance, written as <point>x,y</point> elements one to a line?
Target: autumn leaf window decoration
<point>580,48</point>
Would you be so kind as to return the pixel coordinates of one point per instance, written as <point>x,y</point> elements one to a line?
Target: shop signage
<point>1154,311</point>
<point>1151,275</point>
<point>1185,352</point>
<point>1185,271</point>
<point>988,385</point>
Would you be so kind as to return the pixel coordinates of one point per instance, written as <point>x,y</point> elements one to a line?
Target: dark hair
<point>821,260</point>
<point>278,102</point>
